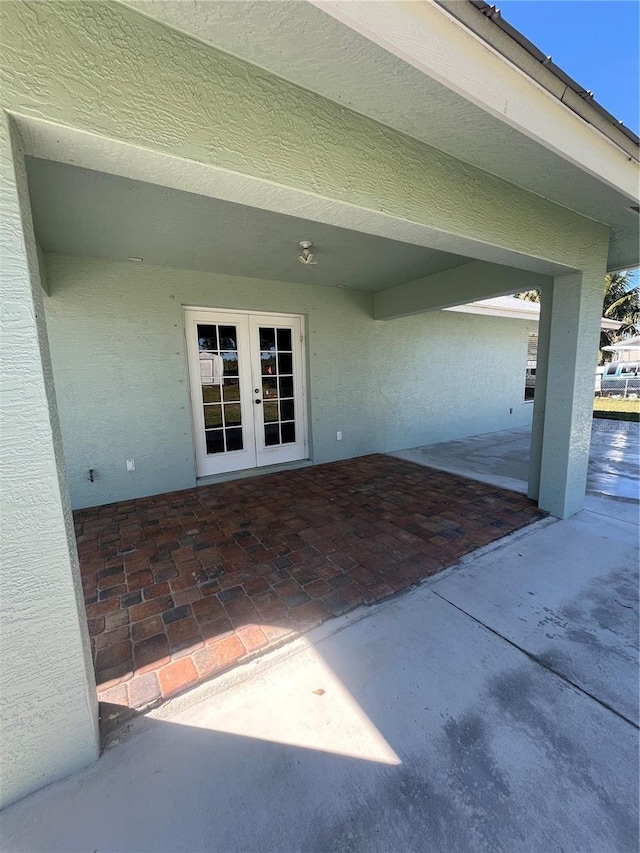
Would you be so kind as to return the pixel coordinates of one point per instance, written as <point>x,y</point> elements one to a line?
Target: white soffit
<point>392,61</point>
<point>514,308</point>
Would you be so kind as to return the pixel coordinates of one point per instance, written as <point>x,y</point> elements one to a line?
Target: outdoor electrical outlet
<point>131,464</point>
<point>339,436</point>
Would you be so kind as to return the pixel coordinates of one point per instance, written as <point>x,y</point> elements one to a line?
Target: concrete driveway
<point>494,708</point>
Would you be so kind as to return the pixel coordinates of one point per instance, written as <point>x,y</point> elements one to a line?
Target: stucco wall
<point>105,69</point>
<point>118,352</point>
<point>48,701</point>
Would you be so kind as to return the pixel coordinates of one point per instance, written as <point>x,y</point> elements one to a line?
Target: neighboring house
<point>627,350</point>
<point>161,164</point>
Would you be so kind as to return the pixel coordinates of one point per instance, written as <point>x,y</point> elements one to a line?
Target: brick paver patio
<point>181,586</point>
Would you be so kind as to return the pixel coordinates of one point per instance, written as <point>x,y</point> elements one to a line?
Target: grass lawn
<point>608,404</point>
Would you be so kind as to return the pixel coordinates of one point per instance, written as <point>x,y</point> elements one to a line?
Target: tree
<point>529,295</point>
<point>621,302</point>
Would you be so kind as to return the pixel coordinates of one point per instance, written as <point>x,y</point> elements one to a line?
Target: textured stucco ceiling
<point>83,212</point>
<point>302,43</point>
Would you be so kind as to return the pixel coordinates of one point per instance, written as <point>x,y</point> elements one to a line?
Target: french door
<point>247,391</point>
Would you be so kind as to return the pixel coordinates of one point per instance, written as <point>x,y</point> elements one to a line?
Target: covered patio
<point>181,586</point>
<point>163,174</point>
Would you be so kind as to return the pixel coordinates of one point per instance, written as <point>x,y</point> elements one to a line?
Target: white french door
<point>247,389</point>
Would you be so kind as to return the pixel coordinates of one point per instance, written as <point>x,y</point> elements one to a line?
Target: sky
<point>594,41</point>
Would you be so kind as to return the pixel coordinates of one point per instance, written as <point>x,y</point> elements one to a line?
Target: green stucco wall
<point>118,352</point>
<point>103,68</point>
<point>48,703</point>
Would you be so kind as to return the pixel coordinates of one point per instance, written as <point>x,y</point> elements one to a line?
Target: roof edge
<point>575,97</point>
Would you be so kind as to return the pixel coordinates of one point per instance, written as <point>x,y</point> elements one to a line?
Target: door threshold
<point>212,479</point>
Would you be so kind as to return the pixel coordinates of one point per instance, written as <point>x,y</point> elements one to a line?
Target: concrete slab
<point>415,728</point>
<point>499,458</point>
<point>567,594</point>
<point>502,458</point>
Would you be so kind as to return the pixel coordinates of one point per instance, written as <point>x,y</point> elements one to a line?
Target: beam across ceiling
<point>457,286</point>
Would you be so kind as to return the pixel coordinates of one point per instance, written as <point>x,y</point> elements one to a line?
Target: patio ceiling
<point>386,65</point>
<point>83,212</point>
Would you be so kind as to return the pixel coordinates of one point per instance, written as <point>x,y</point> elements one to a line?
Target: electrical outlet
<point>131,464</point>
<point>339,435</point>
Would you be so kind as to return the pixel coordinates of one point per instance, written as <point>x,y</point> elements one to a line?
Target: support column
<point>576,310</point>
<point>49,714</point>
<point>539,400</point>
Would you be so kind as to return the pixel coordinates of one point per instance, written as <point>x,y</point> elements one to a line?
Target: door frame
<point>195,392</point>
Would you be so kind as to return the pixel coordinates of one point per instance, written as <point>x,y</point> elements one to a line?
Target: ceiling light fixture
<point>306,257</point>
<point>135,260</point>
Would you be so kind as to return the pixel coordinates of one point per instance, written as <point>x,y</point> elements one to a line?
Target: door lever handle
<point>257,402</point>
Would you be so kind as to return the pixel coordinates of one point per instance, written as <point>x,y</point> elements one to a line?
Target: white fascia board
<point>490,311</point>
<point>613,325</point>
<point>514,314</point>
<point>430,39</point>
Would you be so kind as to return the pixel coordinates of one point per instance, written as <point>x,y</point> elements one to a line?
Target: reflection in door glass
<point>231,390</point>
<point>232,414</point>
<point>219,380</point>
<point>230,360</point>
<point>211,393</point>
<point>267,339</point>
<point>215,440</point>
<point>269,388</point>
<point>212,416</point>
<point>233,439</point>
<point>270,412</point>
<point>286,386</point>
<point>267,364</point>
<point>276,361</point>
<point>271,434</point>
<point>207,337</point>
<point>286,410</point>
<point>284,340</point>
<point>228,337</point>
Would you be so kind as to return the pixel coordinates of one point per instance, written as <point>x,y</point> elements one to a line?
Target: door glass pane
<point>234,439</point>
<point>270,412</point>
<point>231,390</point>
<point>288,433</point>
<point>269,388</point>
<point>215,441</point>
<point>232,415</point>
<point>207,337</point>
<point>211,393</point>
<point>267,364</point>
<point>271,434</point>
<point>228,337</point>
<point>267,339</point>
<point>285,362</point>
<point>286,386</point>
<point>286,410</point>
<point>284,340</point>
<point>230,363</point>
<point>212,416</point>
<point>211,367</point>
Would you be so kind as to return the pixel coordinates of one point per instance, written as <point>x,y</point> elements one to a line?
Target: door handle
<point>257,402</point>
